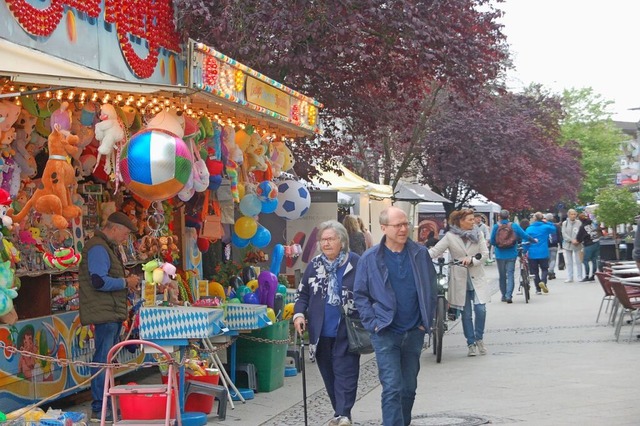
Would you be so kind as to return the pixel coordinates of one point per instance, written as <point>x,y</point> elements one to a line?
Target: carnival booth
<point>101,112</point>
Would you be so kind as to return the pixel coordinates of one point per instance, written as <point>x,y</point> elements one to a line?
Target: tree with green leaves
<point>589,124</point>
<point>616,206</point>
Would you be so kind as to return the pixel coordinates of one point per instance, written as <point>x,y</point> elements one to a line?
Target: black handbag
<point>561,264</point>
<point>358,336</point>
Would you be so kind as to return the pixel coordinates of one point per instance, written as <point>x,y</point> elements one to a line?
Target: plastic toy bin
<point>196,401</point>
<point>268,358</point>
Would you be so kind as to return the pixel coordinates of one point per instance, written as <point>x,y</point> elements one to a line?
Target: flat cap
<point>122,219</point>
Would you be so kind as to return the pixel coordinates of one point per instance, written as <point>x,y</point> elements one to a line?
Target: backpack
<point>553,238</point>
<point>505,236</point>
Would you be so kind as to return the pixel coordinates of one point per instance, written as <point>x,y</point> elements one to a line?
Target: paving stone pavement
<point>549,363</point>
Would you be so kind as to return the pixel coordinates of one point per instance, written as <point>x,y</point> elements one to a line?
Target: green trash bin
<point>268,358</point>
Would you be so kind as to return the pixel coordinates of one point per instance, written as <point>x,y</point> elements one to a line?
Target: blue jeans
<point>539,268</point>
<point>340,375</point>
<point>471,333</point>
<point>506,269</point>
<point>398,357</point>
<point>105,337</point>
<point>591,254</point>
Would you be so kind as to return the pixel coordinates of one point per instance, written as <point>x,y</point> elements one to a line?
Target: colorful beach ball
<point>267,190</point>
<point>155,164</point>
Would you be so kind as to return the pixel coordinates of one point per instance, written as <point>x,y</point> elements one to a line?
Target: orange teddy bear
<point>53,195</point>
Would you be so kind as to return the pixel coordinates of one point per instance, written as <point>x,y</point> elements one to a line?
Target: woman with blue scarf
<point>324,295</point>
<point>468,289</point>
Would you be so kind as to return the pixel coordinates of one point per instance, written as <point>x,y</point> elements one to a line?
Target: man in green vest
<point>103,294</point>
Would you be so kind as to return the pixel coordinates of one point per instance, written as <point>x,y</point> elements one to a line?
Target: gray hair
<point>538,216</point>
<point>384,215</point>
<point>339,229</point>
<point>504,214</point>
<point>549,217</point>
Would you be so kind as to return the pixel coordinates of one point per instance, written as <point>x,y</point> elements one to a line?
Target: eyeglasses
<point>328,240</point>
<point>398,225</point>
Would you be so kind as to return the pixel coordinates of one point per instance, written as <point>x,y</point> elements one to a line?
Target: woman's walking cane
<point>304,379</point>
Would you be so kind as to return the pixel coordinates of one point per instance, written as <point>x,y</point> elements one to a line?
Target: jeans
<point>398,357</point>
<point>471,333</point>
<point>553,255</point>
<point>506,268</point>
<point>572,257</point>
<point>539,267</point>
<point>105,336</point>
<point>591,254</point>
<point>339,374</point>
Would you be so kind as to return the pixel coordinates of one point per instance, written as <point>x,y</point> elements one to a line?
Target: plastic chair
<point>216,391</point>
<point>252,374</point>
<point>170,389</point>
<point>631,307</point>
<point>609,297</point>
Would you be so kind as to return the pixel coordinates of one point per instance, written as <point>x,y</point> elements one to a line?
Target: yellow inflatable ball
<point>287,312</point>
<point>241,190</point>
<point>253,285</point>
<point>216,289</point>
<point>271,314</point>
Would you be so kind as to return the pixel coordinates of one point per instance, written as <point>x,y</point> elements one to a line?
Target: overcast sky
<point>577,43</point>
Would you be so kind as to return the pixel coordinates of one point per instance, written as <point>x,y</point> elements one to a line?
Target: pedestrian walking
<point>554,242</point>
<point>538,251</point>
<point>589,237</point>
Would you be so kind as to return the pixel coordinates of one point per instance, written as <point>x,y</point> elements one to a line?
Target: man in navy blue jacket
<point>395,293</point>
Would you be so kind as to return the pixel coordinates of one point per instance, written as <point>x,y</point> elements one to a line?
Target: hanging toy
<point>62,257</point>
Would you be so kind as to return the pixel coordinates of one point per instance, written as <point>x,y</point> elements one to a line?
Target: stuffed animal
<point>9,113</point>
<point>109,132</point>
<point>7,292</point>
<point>6,222</point>
<point>149,268</point>
<point>167,121</point>
<point>58,178</point>
<point>61,117</point>
<point>6,139</point>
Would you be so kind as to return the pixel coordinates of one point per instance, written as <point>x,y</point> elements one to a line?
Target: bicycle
<point>443,312</point>
<point>525,276</point>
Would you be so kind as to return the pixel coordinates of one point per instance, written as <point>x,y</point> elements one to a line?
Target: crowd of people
<point>391,288</point>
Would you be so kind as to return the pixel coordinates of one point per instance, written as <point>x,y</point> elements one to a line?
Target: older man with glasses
<point>398,277</point>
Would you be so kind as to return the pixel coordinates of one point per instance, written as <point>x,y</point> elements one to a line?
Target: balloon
<point>233,300</point>
<point>271,314</point>
<point>262,237</point>
<point>287,313</point>
<point>239,242</point>
<point>203,244</point>
<point>248,274</point>
<point>282,289</point>
<point>231,293</point>
<point>276,258</point>
<point>241,291</point>
<point>294,200</point>
<point>235,282</point>
<point>253,285</point>
<point>245,227</point>
<point>241,191</point>
<point>267,286</point>
<point>216,289</point>
<point>267,190</point>
<point>251,298</point>
<point>269,206</point>
<point>278,306</point>
<point>250,205</point>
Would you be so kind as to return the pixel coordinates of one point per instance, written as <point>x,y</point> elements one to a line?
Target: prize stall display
<point>192,173</point>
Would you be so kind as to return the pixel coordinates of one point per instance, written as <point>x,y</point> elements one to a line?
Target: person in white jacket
<point>572,246</point>
<point>468,288</point>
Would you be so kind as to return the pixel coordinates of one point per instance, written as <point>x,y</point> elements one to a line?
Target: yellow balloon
<point>245,227</point>
<point>287,312</point>
<point>216,289</point>
<point>271,314</point>
<point>241,191</point>
<point>253,285</point>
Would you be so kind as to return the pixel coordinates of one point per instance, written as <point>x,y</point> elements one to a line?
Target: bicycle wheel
<point>524,279</point>
<point>439,328</point>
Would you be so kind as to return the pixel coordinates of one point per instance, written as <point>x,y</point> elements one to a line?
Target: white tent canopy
<point>351,182</point>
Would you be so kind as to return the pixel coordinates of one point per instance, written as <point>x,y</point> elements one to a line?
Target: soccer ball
<point>294,200</point>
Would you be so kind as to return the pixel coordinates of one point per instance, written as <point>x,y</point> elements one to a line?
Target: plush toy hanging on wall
<point>109,132</point>
<point>58,178</point>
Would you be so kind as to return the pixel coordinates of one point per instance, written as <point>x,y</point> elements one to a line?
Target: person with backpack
<point>504,237</point>
<point>540,229</point>
<point>554,242</point>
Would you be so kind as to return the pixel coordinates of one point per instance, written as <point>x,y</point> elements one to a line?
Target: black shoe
<point>592,278</point>
<point>585,279</point>
<point>552,276</point>
<point>504,299</point>
<point>96,416</point>
<point>509,301</point>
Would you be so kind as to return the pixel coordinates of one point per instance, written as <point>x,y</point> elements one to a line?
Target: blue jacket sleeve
<point>492,239</point>
<point>361,293</point>
<point>99,264</point>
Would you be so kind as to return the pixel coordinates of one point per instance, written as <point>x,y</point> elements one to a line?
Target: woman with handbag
<point>468,288</point>
<point>324,294</point>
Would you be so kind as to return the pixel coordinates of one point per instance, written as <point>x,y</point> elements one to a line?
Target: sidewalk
<point>549,363</point>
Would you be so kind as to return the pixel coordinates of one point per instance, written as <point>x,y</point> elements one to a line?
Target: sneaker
<point>592,278</point>
<point>568,281</point>
<point>482,349</point>
<point>334,421</point>
<point>509,301</point>
<point>584,280</point>
<point>472,350</point>
<point>538,292</point>
<point>504,299</point>
<point>552,276</point>
<point>344,421</point>
<point>96,416</point>
<point>543,286</point>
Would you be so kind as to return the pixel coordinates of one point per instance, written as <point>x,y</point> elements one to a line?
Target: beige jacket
<point>458,274</point>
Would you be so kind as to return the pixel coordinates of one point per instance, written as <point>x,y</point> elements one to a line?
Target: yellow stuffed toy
<point>54,194</point>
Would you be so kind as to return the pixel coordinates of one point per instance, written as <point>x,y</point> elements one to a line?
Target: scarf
<point>471,234</point>
<point>333,289</point>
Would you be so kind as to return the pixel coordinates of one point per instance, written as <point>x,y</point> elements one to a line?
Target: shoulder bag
<point>359,338</point>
